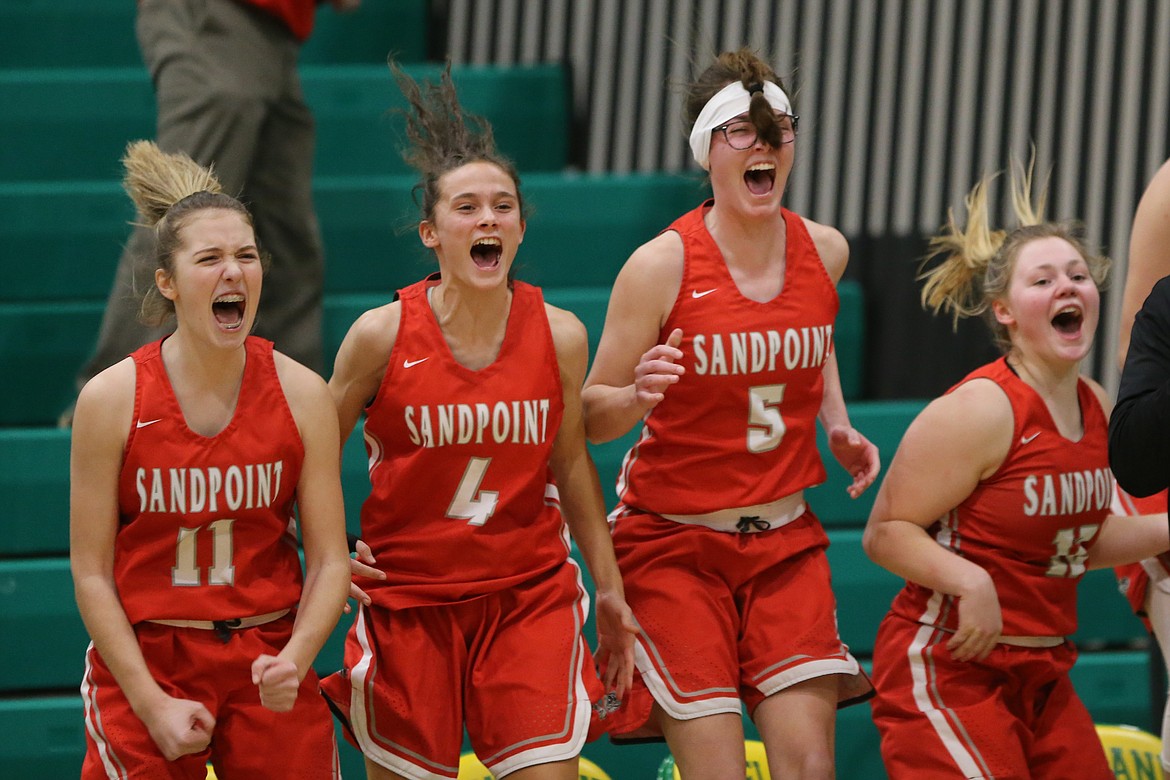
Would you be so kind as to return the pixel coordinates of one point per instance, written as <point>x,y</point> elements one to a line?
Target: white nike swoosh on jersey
<point>410,363</point>
<point>142,424</point>
<point>1026,439</point>
<point>697,294</point>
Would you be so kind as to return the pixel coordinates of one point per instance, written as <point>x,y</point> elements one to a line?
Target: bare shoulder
<point>106,404</point>
<point>974,421</point>
<point>1102,396</point>
<point>566,328</point>
<point>657,263</point>
<point>303,387</point>
<point>569,336</point>
<point>376,329</point>
<point>831,246</point>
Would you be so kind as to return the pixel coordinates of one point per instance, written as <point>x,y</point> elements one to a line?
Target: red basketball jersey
<point>739,427</point>
<point>1032,524</point>
<point>462,501</point>
<point>207,529</point>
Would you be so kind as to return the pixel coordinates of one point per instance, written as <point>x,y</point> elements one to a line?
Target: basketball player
<point>187,461</point>
<point>997,502</point>
<point>719,342</point>
<point>470,384</point>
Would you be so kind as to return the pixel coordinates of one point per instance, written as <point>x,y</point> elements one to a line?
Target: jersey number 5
<point>185,572</point>
<point>469,502</point>
<point>765,425</point>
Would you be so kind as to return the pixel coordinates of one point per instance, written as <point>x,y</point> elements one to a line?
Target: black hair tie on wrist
<point>755,86</point>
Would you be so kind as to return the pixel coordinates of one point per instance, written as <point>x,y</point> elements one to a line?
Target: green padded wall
<point>100,33</point>
<point>69,124</point>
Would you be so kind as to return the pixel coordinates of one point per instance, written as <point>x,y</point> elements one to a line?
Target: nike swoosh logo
<point>410,363</point>
<point>1026,439</point>
<point>697,294</point>
<point>142,424</point>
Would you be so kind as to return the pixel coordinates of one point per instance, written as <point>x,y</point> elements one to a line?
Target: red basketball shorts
<point>249,740</point>
<point>1012,716</point>
<point>726,618</point>
<point>513,666</point>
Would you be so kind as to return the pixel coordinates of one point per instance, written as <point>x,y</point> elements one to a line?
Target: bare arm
<point>955,442</point>
<point>856,454</point>
<point>358,370</point>
<point>322,522</point>
<point>100,426</point>
<point>1149,252</point>
<point>584,509</point>
<point>632,371</point>
<point>361,364</point>
<point>1127,539</point>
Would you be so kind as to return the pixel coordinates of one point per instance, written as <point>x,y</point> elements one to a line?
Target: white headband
<point>728,103</point>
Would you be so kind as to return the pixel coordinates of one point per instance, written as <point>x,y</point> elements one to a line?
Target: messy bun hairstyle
<point>748,68</point>
<point>168,190</point>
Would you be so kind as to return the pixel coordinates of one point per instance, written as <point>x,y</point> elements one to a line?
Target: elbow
<point>595,432</point>
<point>870,541</point>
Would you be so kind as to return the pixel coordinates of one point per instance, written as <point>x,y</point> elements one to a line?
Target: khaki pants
<point>229,95</point>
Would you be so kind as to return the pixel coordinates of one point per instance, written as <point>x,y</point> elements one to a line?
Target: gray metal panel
<point>960,90</point>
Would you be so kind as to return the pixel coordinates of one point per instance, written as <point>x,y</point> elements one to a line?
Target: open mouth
<point>1068,320</point>
<point>760,178</point>
<point>229,311</point>
<point>486,252</point>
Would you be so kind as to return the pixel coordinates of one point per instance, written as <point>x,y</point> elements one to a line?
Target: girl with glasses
<point>719,343</point>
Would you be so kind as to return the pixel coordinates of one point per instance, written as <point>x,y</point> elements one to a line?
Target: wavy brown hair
<point>443,137</point>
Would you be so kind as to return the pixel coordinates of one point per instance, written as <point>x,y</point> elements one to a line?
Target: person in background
<point>187,460</point>
<point>1136,449</point>
<point>997,501</point>
<point>719,342</point>
<point>229,96</point>
<point>470,385</point>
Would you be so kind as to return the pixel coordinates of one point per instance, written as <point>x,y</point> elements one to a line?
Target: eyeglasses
<point>741,134</point>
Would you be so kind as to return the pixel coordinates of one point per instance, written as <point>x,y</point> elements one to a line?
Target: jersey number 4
<point>469,502</point>
<point>185,572</point>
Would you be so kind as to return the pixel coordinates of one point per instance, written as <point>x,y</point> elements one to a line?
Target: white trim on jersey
<point>115,769</point>
<point>946,723</point>
<point>665,691</point>
<point>358,717</point>
<point>808,671</point>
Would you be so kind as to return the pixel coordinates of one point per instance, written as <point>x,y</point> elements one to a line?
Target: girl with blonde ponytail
<point>194,461</point>
<point>996,503</point>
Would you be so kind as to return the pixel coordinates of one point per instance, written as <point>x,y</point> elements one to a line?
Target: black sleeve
<point>1139,428</point>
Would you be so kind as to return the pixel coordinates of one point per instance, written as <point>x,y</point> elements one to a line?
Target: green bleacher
<point>68,125</point>
<point>74,98</point>
<point>100,33</point>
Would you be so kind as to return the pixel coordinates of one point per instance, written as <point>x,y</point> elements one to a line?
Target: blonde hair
<point>978,260</point>
<point>168,190</point>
